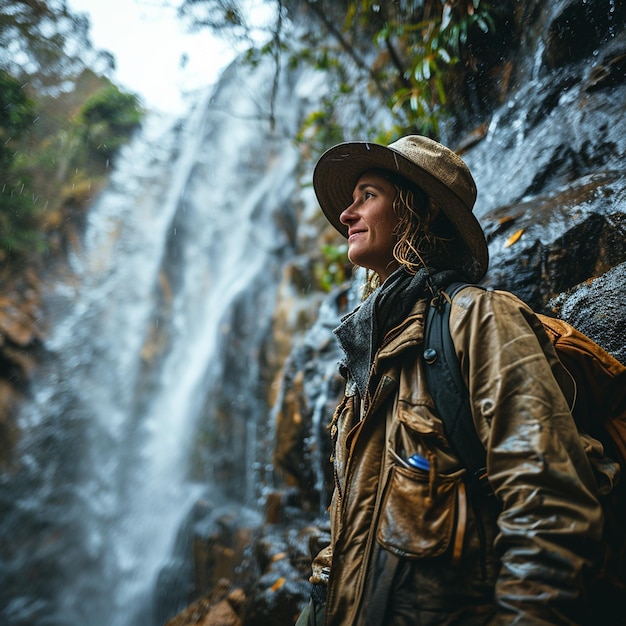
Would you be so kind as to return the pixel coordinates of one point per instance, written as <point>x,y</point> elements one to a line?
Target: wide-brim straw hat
<point>437,170</point>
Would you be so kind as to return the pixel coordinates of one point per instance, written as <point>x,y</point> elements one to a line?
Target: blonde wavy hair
<point>423,234</point>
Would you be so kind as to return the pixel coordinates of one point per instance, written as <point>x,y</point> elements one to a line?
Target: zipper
<point>384,386</point>
<point>371,538</point>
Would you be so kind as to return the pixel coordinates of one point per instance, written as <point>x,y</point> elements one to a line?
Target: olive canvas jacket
<point>423,546</point>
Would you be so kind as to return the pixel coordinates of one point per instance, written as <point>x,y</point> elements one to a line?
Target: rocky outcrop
<point>564,254</point>
<point>21,333</point>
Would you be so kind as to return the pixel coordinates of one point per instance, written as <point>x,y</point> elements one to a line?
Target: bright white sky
<point>148,42</point>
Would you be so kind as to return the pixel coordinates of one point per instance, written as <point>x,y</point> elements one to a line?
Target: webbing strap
<point>448,389</point>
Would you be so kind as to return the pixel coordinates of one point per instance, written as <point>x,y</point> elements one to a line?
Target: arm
<point>550,527</point>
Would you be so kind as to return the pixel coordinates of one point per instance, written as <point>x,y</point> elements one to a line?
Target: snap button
<point>430,355</point>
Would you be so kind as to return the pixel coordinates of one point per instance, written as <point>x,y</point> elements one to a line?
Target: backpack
<point>599,412</point>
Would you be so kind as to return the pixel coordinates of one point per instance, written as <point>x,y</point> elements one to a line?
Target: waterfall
<point>149,391</point>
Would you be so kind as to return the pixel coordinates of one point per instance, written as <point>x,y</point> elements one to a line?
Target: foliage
<point>423,51</point>
<point>55,165</point>
<point>107,119</point>
<point>44,43</point>
<point>60,123</point>
<point>334,268</point>
<point>238,21</point>
<point>17,112</point>
<point>220,16</point>
<point>19,233</point>
<point>16,115</point>
<point>432,46</point>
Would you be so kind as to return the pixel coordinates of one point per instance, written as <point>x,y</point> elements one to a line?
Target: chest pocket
<point>424,511</point>
<point>423,516</point>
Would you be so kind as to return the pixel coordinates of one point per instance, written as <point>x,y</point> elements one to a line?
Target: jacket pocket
<point>423,515</point>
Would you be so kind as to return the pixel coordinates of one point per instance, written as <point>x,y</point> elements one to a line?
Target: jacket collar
<point>408,333</point>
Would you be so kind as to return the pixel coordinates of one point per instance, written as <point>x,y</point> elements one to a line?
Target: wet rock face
<point>310,390</point>
<point>550,166</point>
<point>598,308</point>
<point>550,244</point>
<point>578,28</point>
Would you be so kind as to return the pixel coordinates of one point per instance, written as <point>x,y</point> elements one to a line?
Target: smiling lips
<point>355,231</point>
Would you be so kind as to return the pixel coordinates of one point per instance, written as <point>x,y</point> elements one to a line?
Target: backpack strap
<point>448,389</point>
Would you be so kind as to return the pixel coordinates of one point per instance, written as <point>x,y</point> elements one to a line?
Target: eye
<point>368,194</point>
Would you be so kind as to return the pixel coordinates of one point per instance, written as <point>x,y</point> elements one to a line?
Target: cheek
<point>393,231</point>
<point>386,222</point>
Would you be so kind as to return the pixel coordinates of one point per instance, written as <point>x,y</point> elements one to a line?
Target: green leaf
<point>426,68</point>
<point>445,56</point>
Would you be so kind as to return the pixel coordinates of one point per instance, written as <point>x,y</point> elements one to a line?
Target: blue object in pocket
<point>416,460</point>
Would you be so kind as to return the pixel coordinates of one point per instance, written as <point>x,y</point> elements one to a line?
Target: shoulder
<point>493,318</point>
<point>472,295</point>
<point>474,300</point>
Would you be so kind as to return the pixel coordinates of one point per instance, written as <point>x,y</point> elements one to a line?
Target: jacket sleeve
<point>550,527</point>
<point>321,566</point>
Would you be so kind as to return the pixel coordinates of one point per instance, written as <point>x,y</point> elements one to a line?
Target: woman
<point>413,540</point>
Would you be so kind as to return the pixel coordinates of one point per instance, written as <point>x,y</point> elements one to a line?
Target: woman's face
<point>371,221</point>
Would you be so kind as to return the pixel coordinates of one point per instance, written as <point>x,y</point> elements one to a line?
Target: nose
<point>347,215</point>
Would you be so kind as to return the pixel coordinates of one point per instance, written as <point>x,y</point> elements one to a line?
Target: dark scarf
<point>361,332</point>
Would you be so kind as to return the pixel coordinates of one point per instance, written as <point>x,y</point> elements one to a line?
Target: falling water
<point>181,257</point>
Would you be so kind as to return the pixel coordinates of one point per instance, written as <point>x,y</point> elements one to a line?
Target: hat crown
<point>441,163</point>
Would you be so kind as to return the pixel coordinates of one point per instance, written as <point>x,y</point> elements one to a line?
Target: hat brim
<point>339,169</point>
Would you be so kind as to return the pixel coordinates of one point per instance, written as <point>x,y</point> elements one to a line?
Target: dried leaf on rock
<point>513,238</point>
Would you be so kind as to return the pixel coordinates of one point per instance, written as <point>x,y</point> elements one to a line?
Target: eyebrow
<point>364,186</point>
